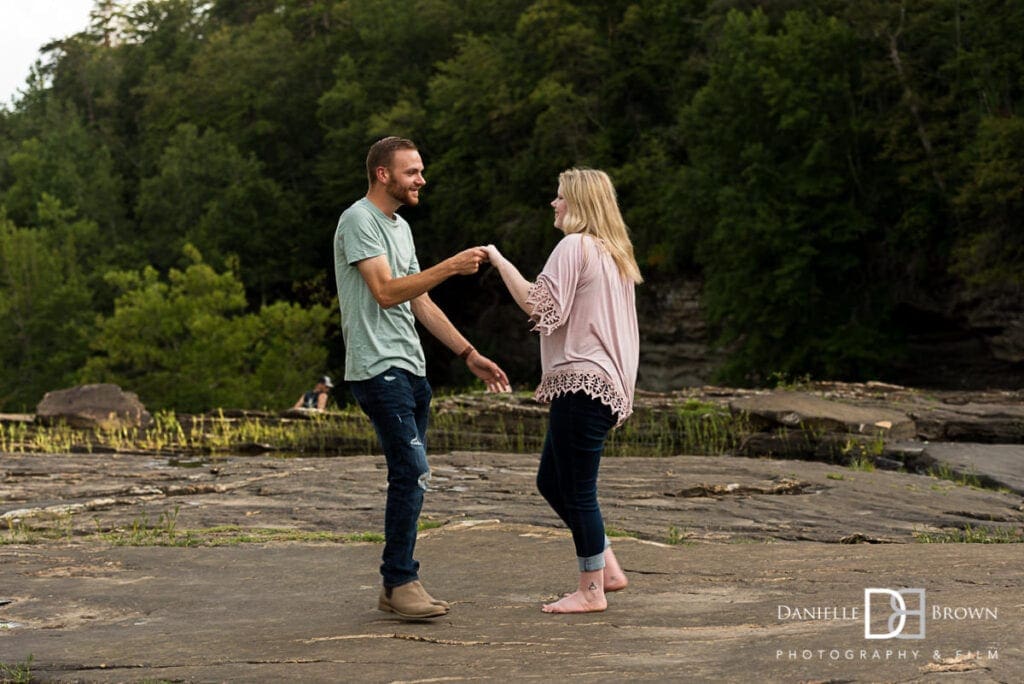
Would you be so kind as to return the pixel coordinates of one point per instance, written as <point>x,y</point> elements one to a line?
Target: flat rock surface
<point>742,569</point>
<point>1002,465</point>
<point>683,498</point>
<point>814,412</point>
<point>707,612</point>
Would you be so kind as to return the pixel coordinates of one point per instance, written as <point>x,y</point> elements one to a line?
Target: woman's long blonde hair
<point>592,208</point>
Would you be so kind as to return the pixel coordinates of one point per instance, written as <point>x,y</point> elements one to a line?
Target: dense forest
<point>171,176</point>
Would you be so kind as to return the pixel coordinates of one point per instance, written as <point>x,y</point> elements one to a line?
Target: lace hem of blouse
<point>546,316</point>
<point>591,383</point>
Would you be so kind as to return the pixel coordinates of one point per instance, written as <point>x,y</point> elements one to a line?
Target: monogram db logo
<point>903,603</point>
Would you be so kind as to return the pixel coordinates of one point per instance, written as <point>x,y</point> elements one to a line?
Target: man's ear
<point>382,174</point>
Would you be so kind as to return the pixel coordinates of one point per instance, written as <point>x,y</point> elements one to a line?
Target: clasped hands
<point>467,262</point>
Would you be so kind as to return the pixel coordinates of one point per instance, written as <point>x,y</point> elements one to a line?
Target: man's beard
<point>401,194</point>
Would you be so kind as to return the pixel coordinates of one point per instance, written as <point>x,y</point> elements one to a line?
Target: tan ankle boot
<point>408,602</point>
<point>429,598</point>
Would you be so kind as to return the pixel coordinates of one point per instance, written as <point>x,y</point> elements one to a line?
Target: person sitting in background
<point>317,397</point>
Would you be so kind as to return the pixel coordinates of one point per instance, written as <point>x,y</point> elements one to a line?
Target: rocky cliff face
<point>952,342</point>
<point>1003,317</point>
<point>960,342</point>
<point>674,348</point>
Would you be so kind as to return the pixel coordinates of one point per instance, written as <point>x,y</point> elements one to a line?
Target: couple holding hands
<point>583,306</point>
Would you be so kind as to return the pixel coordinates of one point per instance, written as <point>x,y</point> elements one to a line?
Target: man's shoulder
<point>358,211</point>
<point>359,222</point>
<point>359,235</point>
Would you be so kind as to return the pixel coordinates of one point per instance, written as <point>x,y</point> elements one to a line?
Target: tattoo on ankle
<point>592,587</point>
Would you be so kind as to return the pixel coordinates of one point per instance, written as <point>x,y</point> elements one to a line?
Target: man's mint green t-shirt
<point>375,338</point>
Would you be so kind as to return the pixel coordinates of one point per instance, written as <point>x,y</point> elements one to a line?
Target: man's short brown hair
<point>382,152</point>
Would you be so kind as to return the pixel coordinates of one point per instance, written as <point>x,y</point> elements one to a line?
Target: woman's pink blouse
<point>585,312</point>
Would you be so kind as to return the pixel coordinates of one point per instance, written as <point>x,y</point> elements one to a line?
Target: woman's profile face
<point>558,204</point>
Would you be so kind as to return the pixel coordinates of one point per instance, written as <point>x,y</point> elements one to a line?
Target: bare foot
<point>578,602</point>
<point>614,577</point>
<point>588,598</point>
<point>611,583</point>
<point>615,583</point>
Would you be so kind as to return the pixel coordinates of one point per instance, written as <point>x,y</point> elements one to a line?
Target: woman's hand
<point>517,285</point>
<point>488,371</point>
<point>493,255</point>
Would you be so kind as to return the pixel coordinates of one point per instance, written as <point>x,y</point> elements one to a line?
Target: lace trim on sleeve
<point>593,384</point>
<point>546,316</point>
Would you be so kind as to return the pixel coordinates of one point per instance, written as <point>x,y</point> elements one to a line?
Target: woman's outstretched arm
<point>518,286</point>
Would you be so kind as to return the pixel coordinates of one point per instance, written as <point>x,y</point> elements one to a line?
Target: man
<point>317,397</point>
<point>382,292</point>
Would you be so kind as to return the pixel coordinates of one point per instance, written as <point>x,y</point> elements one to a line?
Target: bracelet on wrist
<point>464,354</point>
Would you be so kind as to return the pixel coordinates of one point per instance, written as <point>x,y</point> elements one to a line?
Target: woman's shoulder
<point>570,250</point>
<point>581,242</point>
<point>567,245</point>
<point>577,251</point>
<point>588,246</point>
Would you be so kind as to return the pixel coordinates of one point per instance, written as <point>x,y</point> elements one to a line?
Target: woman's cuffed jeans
<point>567,477</point>
<point>398,404</point>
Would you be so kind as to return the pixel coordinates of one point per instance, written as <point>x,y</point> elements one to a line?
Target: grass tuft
<point>973,535</point>
<point>20,673</point>
<point>511,424</point>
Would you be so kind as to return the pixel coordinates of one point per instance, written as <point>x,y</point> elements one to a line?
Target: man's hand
<point>488,371</point>
<point>467,262</point>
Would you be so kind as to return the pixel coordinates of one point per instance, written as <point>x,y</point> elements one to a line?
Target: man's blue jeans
<point>398,404</point>
<point>567,476</point>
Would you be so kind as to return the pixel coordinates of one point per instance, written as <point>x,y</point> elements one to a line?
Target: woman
<point>583,305</point>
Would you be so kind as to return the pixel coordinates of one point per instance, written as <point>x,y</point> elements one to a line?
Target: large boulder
<point>103,406</point>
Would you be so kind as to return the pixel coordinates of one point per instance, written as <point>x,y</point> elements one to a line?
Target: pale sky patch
<point>27,25</point>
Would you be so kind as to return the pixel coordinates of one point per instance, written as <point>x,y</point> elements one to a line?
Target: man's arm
<point>390,291</point>
<point>437,324</point>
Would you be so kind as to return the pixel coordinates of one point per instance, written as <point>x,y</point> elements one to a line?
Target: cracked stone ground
<point>719,544</point>
<point>678,499</point>
<point>307,612</point>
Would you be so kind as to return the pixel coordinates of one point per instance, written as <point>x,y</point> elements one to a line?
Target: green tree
<point>819,163</point>
<point>661,63</point>
<point>45,304</point>
<point>989,71</point>
<point>186,342</point>
<point>209,194</point>
<point>66,162</point>
<point>244,82</point>
<point>990,253</point>
<point>773,138</point>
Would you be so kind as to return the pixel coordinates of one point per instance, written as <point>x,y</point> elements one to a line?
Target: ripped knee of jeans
<point>423,480</point>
